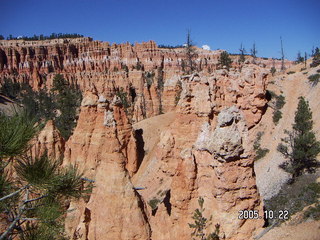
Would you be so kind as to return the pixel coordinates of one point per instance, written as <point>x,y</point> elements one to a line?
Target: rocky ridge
<point>147,73</point>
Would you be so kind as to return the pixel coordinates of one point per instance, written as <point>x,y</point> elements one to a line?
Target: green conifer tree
<point>225,60</point>
<point>68,99</point>
<point>300,147</point>
<point>34,199</point>
<point>191,53</point>
<point>201,224</point>
<point>299,59</point>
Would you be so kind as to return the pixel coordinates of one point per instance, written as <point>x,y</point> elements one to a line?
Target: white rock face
<point>228,115</point>
<point>109,119</point>
<point>89,99</point>
<point>225,143</point>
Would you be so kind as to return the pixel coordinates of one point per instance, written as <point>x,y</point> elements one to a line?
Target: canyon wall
<point>176,137</point>
<point>148,74</point>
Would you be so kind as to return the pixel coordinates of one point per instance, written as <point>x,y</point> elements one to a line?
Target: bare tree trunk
<point>282,56</point>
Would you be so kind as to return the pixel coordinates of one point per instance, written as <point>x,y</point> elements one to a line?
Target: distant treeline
<point>43,37</point>
<point>169,46</point>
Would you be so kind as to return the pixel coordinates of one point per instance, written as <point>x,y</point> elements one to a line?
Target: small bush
<point>123,98</point>
<point>139,66</point>
<point>149,76</point>
<point>124,68</point>
<point>294,197</point>
<point>10,88</point>
<point>261,153</point>
<point>273,70</point>
<point>316,58</point>
<point>278,104</point>
<point>313,212</point>
<point>314,79</point>
<point>153,203</point>
<point>225,60</point>
<point>277,115</point>
<point>201,223</point>
<point>280,101</point>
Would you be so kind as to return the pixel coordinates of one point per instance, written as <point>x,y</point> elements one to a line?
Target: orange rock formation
<point>199,147</point>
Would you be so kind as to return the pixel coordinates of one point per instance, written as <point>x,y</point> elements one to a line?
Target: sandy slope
<point>269,176</point>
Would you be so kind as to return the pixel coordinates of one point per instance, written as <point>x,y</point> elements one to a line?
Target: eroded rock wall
<point>205,152</point>
<point>99,146</point>
<point>144,190</point>
<point>146,73</point>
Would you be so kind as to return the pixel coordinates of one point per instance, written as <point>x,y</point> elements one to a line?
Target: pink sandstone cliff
<point>199,147</point>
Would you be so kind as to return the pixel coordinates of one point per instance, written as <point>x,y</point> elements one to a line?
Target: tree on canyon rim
<point>191,53</point>
<point>300,147</point>
<point>242,52</point>
<point>68,99</point>
<point>225,60</point>
<point>33,191</point>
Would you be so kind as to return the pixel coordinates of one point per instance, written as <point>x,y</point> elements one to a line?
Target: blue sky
<point>219,24</point>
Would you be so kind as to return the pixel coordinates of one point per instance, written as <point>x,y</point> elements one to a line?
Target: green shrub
<point>316,58</point>
<point>201,224</point>
<point>124,68</point>
<point>273,70</point>
<point>153,203</point>
<point>277,115</point>
<point>10,88</point>
<point>314,79</point>
<point>41,105</point>
<point>280,101</point>
<point>259,152</point>
<point>225,60</point>
<point>149,76</point>
<point>139,66</point>
<point>123,98</point>
<point>294,197</point>
<point>313,212</point>
<point>67,98</point>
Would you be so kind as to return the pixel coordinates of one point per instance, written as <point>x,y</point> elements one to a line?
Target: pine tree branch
<point>11,227</point>
<point>34,199</point>
<point>30,219</point>
<point>13,194</point>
